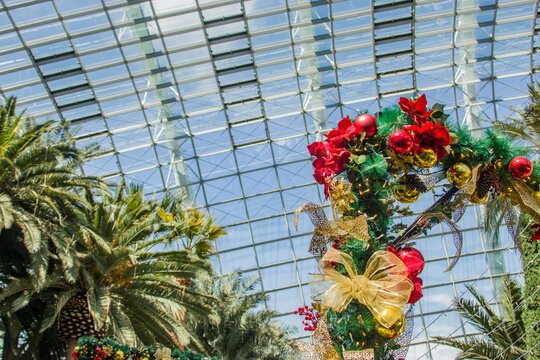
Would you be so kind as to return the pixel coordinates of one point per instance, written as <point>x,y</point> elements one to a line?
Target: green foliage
<point>528,126</point>
<point>239,331</point>
<point>40,201</point>
<point>390,120</point>
<point>502,337</point>
<point>108,349</point>
<point>64,234</point>
<point>530,260</point>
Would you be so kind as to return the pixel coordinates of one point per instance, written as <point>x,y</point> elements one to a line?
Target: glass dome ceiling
<point>221,98</point>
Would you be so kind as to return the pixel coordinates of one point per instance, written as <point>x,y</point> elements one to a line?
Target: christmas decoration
<point>400,142</point>
<point>311,317</point>
<point>90,348</point>
<point>406,195</point>
<point>520,167</point>
<point>341,195</point>
<point>459,174</point>
<point>366,123</point>
<point>369,274</point>
<point>406,189</point>
<point>413,182</point>
<point>476,199</point>
<point>413,260</point>
<point>425,159</point>
<point>393,331</point>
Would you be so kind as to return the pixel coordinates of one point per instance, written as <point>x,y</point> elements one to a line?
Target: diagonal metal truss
<point>220,98</point>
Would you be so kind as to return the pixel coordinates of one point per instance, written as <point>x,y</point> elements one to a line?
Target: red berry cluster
<point>311,317</point>
<point>495,182</point>
<point>340,241</point>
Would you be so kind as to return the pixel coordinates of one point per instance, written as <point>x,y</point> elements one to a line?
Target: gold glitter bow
<point>383,284</point>
<point>356,227</point>
<point>163,354</point>
<point>323,348</point>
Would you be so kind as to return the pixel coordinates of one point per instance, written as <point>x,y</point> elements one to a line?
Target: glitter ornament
<point>459,174</point>
<point>405,195</point>
<point>393,331</point>
<point>425,159</point>
<point>520,167</point>
<point>475,198</point>
<point>400,142</point>
<point>366,123</point>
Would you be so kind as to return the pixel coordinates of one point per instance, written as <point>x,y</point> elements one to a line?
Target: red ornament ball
<point>520,167</point>
<point>367,123</point>
<point>413,259</point>
<point>400,142</point>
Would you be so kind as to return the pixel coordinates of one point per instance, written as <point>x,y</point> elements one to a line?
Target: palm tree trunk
<point>71,344</point>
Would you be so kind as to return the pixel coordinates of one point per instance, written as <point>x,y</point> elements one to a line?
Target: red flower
<point>328,161</point>
<point>416,294</point>
<point>317,149</point>
<point>416,109</point>
<point>344,133</point>
<point>430,136</point>
<point>336,158</point>
<point>536,235</point>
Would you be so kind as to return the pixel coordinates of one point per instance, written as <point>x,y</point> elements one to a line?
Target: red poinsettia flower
<point>430,136</point>
<point>317,149</point>
<point>336,158</point>
<point>416,109</point>
<point>416,294</point>
<point>328,161</point>
<point>343,134</point>
<point>536,235</point>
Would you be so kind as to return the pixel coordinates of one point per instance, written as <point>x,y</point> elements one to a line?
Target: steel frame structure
<point>220,97</point>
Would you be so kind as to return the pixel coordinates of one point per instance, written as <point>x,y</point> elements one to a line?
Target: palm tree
<point>39,185</point>
<point>130,290</point>
<point>502,337</point>
<point>240,332</point>
<point>38,176</point>
<point>528,129</point>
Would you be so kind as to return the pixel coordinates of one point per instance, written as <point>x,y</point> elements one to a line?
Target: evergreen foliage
<point>502,336</point>
<point>240,331</point>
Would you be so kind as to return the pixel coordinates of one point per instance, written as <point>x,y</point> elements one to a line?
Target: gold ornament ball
<point>393,331</point>
<point>425,159</point>
<point>406,196</point>
<point>537,195</point>
<point>475,199</point>
<point>459,174</point>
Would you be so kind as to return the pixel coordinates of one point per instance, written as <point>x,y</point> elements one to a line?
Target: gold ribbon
<point>383,284</point>
<point>323,348</point>
<point>356,227</point>
<point>525,199</point>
